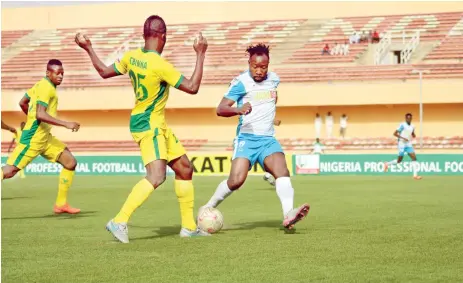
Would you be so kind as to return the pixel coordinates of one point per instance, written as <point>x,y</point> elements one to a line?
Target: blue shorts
<point>405,149</point>
<point>255,148</point>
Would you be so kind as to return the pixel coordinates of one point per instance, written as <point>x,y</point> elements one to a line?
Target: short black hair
<point>408,114</point>
<point>54,62</point>
<point>258,49</point>
<point>154,24</point>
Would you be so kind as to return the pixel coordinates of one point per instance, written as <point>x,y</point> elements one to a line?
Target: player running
<point>40,104</point>
<point>151,76</point>
<point>255,93</point>
<point>404,133</point>
<point>15,140</point>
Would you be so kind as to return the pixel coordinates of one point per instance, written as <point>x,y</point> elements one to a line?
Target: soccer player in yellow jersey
<point>40,105</point>
<point>15,140</point>
<point>151,76</point>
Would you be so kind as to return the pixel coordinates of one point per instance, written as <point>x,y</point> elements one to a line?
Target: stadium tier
<point>455,142</point>
<point>297,44</point>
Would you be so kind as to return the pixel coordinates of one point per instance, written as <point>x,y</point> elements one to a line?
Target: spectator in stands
<point>318,125</point>
<point>343,126</point>
<point>370,36</point>
<point>364,37</point>
<point>345,49</point>
<point>317,147</point>
<point>352,38</point>
<point>329,124</point>
<point>336,50</point>
<point>376,37</point>
<point>326,49</point>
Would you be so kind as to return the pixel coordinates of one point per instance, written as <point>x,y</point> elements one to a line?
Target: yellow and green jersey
<point>151,75</point>
<point>36,133</point>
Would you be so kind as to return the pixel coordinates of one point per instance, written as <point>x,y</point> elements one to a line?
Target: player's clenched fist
<point>83,41</point>
<point>73,126</point>
<point>200,44</point>
<point>245,109</point>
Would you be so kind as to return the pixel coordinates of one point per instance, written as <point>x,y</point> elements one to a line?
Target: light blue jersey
<point>405,130</point>
<point>255,132</point>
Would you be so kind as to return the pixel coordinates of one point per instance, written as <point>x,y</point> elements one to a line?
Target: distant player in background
<point>317,147</point>
<point>255,93</point>
<point>404,133</point>
<point>15,140</point>
<point>151,76</point>
<point>40,104</point>
<point>8,128</point>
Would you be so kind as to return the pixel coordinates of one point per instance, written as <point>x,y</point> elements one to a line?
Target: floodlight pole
<point>420,72</point>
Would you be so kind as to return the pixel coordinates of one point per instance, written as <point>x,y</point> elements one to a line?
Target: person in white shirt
<point>404,134</point>
<point>329,125</point>
<point>317,147</point>
<point>345,49</point>
<point>318,125</point>
<point>343,125</point>
<point>336,49</point>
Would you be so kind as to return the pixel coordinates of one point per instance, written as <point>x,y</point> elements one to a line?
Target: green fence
<point>373,164</point>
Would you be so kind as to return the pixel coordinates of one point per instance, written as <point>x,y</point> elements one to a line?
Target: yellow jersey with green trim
<point>36,133</point>
<point>150,75</point>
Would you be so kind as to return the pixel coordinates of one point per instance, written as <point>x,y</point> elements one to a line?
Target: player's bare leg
<point>237,177</point>
<point>9,171</point>
<point>69,163</point>
<point>155,176</point>
<point>415,166</point>
<point>276,165</point>
<point>185,193</point>
<point>393,162</point>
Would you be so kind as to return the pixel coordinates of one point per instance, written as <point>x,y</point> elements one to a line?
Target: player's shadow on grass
<point>57,216</point>
<point>13,198</point>
<point>159,232</point>
<point>276,224</point>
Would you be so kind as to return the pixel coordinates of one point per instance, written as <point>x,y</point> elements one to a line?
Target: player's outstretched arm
<point>8,128</point>
<point>226,109</point>
<point>105,71</point>
<point>24,104</point>
<point>43,116</point>
<point>191,85</point>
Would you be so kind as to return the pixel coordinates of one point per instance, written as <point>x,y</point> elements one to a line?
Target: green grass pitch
<point>359,229</point>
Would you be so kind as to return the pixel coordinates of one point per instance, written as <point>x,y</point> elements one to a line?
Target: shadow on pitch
<point>57,216</point>
<point>13,198</point>
<point>159,232</point>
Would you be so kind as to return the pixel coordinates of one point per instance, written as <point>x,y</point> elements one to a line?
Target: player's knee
<point>235,182</point>
<point>185,172</point>
<point>156,180</point>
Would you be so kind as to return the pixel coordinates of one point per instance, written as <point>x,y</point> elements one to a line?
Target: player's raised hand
<point>200,44</point>
<point>245,109</point>
<point>73,126</point>
<point>83,41</point>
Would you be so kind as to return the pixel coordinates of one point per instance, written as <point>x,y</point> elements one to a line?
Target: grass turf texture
<point>359,229</point>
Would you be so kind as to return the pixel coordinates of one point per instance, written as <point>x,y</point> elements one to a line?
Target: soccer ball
<point>210,220</point>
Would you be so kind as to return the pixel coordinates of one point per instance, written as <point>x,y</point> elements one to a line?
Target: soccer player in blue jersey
<point>404,134</point>
<point>255,94</point>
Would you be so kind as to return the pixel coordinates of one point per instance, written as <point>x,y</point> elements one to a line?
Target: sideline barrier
<point>373,164</point>
<point>203,165</point>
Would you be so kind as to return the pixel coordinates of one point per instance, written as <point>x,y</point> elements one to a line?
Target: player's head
<point>55,71</point>
<point>317,140</point>
<point>259,58</point>
<point>408,118</point>
<point>155,30</point>
<point>22,125</point>
<point>317,115</point>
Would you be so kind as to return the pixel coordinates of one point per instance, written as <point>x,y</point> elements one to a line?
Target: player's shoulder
<point>272,76</point>
<point>240,80</point>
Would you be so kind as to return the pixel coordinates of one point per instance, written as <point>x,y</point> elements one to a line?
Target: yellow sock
<point>137,197</point>
<point>185,194</point>
<point>21,174</point>
<point>2,174</point>
<point>65,181</point>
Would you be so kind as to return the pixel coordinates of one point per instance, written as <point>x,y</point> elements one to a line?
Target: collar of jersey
<point>46,78</point>
<point>147,51</point>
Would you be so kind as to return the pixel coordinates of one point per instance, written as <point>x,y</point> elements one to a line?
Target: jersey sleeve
<point>120,66</point>
<point>44,94</point>
<point>236,90</point>
<point>170,75</point>
<point>400,128</point>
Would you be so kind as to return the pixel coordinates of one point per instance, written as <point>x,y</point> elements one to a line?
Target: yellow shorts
<point>23,154</point>
<point>159,144</point>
